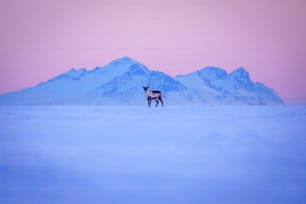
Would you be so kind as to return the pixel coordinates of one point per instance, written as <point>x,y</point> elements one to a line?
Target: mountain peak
<point>128,64</point>
<point>122,63</point>
<point>240,72</point>
<point>71,74</point>
<point>212,73</point>
<point>73,71</point>
<point>125,60</point>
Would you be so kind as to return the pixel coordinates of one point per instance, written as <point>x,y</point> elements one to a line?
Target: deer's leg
<point>156,102</point>
<point>161,100</point>
<point>149,101</point>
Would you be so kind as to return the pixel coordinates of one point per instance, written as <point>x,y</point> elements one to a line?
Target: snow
<point>175,154</point>
<point>120,82</point>
<point>295,101</point>
<point>215,86</point>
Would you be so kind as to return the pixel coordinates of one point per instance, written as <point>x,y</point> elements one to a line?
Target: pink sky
<point>42,38</point>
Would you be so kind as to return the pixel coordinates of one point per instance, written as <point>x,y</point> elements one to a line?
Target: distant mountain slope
<point>120,83</point>
<point>215,85</point>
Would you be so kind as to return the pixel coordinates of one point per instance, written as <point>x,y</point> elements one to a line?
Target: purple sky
<point>42,38</point>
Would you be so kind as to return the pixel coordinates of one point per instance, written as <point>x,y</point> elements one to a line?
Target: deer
<point>153,94</point>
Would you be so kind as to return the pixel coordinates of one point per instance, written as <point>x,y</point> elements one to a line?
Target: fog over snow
<point>139,155</point>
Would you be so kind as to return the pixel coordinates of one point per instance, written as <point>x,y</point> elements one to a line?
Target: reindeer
<point>152,94</point>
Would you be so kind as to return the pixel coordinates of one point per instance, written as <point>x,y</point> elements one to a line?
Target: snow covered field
<point>140,155</point>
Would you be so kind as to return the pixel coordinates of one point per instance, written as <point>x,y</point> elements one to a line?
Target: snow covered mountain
<point>120,83</point>
<point>214,85</point>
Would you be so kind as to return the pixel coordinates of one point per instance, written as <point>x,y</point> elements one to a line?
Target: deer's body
<point>153,94</point>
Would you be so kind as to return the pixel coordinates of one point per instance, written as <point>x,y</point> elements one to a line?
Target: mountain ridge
<point>119,83</point>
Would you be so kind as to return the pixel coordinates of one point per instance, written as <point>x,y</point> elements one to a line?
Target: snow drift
<point>113,155</point>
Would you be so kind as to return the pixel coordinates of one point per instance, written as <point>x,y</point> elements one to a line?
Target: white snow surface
<point>139,155</point>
